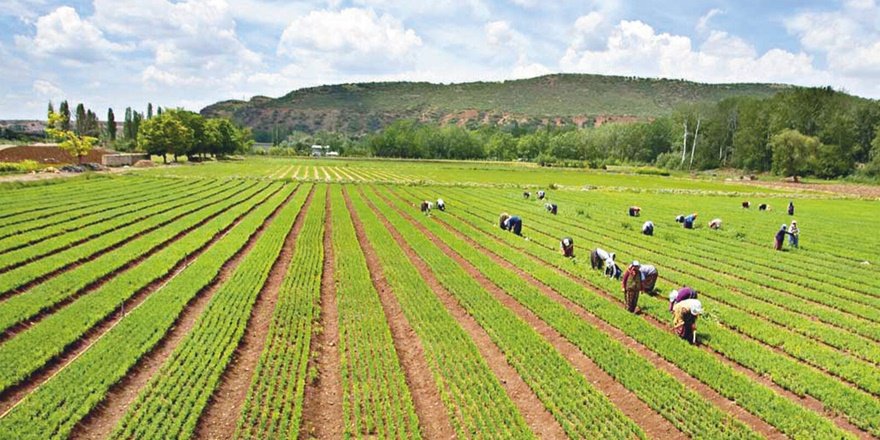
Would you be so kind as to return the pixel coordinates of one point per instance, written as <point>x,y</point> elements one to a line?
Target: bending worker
<point>551,208</point>
<point>634,211</point>
<point>715,224</point>
<point>688,222</point>
<point>648,228</point>
<point>511,223</point>
<point>780,237</point>
<point>541,195</point>
<point>632,286</point>
<point>677,296</point>
<point>684,319</point>
<point>426,207</point>
<point>648,275</point>
<point>441,205</point>
<point>567,247</point>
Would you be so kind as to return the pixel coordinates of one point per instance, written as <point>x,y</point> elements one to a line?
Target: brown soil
<point>433,419</point>
<point>103,418</point>
<point>845,189</point>
<point>322,403</point>
<point>15,394</point>
<point>223,411</point>
<point>73,265</point>
<point>529,405</point>
<point>47,154</point>
<point>652,423</point>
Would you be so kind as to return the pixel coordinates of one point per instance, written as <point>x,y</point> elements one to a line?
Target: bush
<point>24,166</point>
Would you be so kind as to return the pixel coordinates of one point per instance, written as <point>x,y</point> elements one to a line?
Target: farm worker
<point>677,296</point>
<point>567,247</point>
<point>790,207</point>
<point>551,208</point>
<point>634,211</point>
<point>541,195</point>
<point>648,274</point>
<point>511,223</point>
<point>762,207</point>
<point>632,286</point>
<point>526,194</point>
<point>648,228</point>
<point>441,205</point>
<point>679,218</point>
<point>426,207</point>
<point>689,221</point>
<point>600,257</point>
<point>715,224</point>
<point>747,204</point>
<point>684,319</point>
<point>780,236</point>
<point>793,233</point>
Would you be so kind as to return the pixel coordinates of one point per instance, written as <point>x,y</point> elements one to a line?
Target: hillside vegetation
<point>564,99</point>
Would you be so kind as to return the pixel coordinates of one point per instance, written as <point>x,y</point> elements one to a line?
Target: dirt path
<point>652,423</point>
<point>529,405</point>
<point>433,419</point>
<point>104,418</point>
<point>322,402</point>
<point>756,423</point>
<point>862,191</point>
<point>223,411</point>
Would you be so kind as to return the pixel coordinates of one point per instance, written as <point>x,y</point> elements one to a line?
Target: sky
<point>191,53</point>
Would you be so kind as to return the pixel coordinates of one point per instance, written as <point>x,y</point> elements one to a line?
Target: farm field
<point>310,298</point>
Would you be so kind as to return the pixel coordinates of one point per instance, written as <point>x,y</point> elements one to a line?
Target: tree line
<point>173,132</point>
<point>799,131</point>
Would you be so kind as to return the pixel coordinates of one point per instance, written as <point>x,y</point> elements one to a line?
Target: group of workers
<point>791,231</point>
<point>427,205</point>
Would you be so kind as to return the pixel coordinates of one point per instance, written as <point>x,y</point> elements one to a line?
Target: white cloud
<point>354,38</point>
<point>703,22</point>
<point>64,34</point>
<point>508,43</point>
<point>47,89</point>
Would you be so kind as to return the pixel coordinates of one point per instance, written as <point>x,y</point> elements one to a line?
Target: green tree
<point>64,111</point>
<point>792,152</point>
<point>149,110</point>
<point>74,144</point>
<point>80,124</point>
<point>111,125</point>
<point>164,135</point>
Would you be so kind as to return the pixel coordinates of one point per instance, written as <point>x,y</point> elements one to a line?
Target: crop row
<point>376,400</point>
<point>274,402</point>
<point>149,198</point>
<point>860,407</point>
<point>30,199</point>
<point>53,409</point>
<point>170,405</point>
<point>21,276</point>
<point>686,409</point>
<point>79,234</point>
<point>79,204</point>
<point>475,400</point>
<point>541,260</point>
<point>43,296</point>
<point>581,410</point>
<point>31,349</point>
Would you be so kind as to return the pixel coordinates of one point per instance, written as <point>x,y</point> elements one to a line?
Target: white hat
<point>673,295</point>
<point>697,308</point>
<point>636,263</point>
<point>783,226</point>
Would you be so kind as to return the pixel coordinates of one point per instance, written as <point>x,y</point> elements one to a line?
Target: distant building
<point>323,150</point>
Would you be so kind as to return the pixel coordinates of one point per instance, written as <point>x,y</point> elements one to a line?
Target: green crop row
<point>687,410</point>
<point>581,410</point>
<point>789,417</point>
<point>27,200</point>
<point>79,234</point>
<point>53,409</point>
<point>861,408</point>
<point>274,402</point>
<point>30,350</point>
<point>376,400</point>
<point>21,276</point>
<point>170,405</point>
<point>43,296</point>
<point>475,400</point>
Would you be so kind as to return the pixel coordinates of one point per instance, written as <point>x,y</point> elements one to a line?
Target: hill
<point>561,99</point>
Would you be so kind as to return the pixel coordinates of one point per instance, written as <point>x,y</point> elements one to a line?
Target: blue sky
<point>191,53</point>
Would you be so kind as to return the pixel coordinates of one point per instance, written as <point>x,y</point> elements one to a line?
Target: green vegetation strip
<point>42,297</point>
<point>172,402</point>
<point>31,199</point>
<point>376,400</point>
<point>580,409</point>
<point>21,276</point>
<point>274,403</point>
<point>475,400</point>
<point>687,410</point>
<point>53,409</point>
<point>789,417</point>
<point>30,350</point>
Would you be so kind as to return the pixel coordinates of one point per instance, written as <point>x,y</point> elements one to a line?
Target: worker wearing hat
<point>632,286</point>
<point>684,319</point>
<point>677,296</point>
